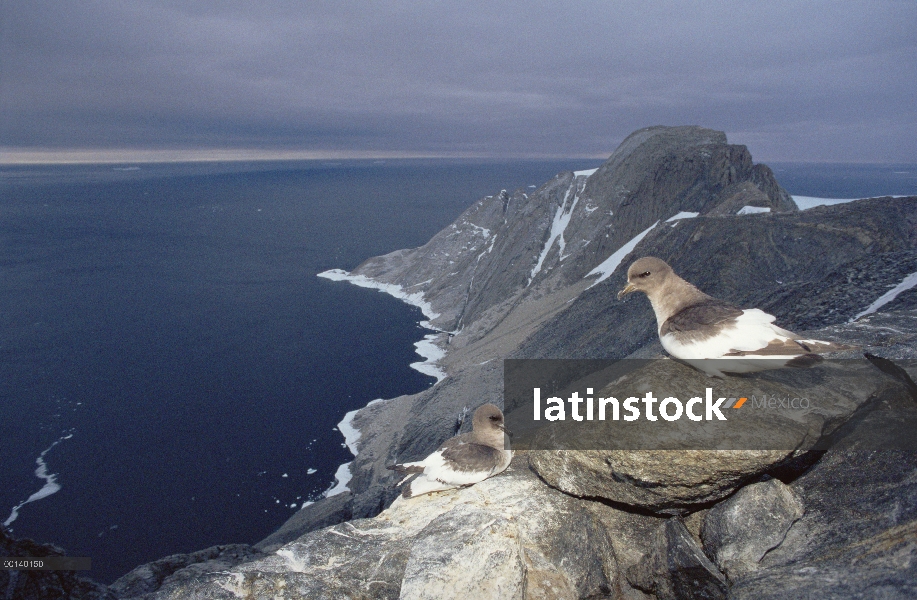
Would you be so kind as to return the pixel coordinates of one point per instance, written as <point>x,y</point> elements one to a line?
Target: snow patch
<point>558,226</point>
<point>682,215</point>
<point>907,283</point>
<point>586,173</point>
<point>483,230</point>
<point>611,263</point>
<point>753,210</point>
<point>807,202</point>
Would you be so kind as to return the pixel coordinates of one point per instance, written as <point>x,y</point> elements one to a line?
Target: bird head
<point>488,418</point>
<point>645,275</point>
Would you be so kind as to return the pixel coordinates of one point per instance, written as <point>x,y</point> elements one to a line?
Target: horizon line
<point>12,156</point>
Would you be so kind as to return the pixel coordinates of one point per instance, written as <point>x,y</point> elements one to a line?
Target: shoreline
<point>427,348</point>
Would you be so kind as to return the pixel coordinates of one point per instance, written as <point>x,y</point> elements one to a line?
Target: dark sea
<point>168,353</point>
<point>172,370</point>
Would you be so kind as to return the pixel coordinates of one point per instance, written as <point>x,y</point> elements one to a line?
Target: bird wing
<point>697,319</point>
<point>473,457</point>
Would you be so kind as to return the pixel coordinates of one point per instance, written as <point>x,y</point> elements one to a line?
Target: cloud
<point>794,80</point>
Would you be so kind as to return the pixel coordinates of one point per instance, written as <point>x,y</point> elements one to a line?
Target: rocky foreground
<point>533,275</point>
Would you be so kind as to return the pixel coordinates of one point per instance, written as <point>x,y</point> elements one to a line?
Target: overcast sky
<point>795,81</point>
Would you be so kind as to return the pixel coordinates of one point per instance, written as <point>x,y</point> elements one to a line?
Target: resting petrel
<point>463,460</point>
<point>695,327</point>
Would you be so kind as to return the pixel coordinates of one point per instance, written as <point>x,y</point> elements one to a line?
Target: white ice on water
<point>432,354</point>
<point>414,299</point>
<point>342,477</point>
<point>426,348</point>
<point>50,487</point>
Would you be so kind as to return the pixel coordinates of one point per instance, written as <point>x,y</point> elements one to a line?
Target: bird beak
<point>505,430</point>
<point>627,289</point>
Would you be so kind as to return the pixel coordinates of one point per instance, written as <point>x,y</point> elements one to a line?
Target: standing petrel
<point>695,327</point>
<point>463,460</point>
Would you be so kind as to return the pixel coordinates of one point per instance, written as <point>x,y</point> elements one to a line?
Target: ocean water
<point>169,362</point>
<point>839,180</point>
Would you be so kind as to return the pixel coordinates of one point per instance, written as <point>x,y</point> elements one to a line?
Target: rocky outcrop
<point>673,481</point>
<point>173,571</point>
<point>856,539</point>
<point>508,537</point>
<point>50,585</point>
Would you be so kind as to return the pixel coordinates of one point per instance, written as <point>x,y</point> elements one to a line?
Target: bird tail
<point>405,468</point>
<point>410,472</point>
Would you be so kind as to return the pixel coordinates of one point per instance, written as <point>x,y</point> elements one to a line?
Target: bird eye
<point>494,418</point>
<point>644,274</point>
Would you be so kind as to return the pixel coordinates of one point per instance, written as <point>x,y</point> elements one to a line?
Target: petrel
<point>696,328</point>
<point>463,460</point>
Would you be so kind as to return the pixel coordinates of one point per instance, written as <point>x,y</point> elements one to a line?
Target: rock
<point>478,274</point>
<point>848,289</point>
<point>677,568</point>
<point>672,481</point>
<point>509,536</point>
<point>145,580</point>
<point>444,556</point>
<point>738,532</point>
<point>42,585</point>
<point>858,538</point>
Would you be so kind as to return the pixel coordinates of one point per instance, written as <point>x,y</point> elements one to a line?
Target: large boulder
<point>738,532</point>
<point>761,436</point>
<point>508,537</point>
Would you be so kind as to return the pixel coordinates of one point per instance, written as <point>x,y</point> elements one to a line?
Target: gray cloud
<point>793,80</point>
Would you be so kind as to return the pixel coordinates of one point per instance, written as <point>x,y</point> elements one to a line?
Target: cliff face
<point>533,274</point>
<point>509,248</point>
